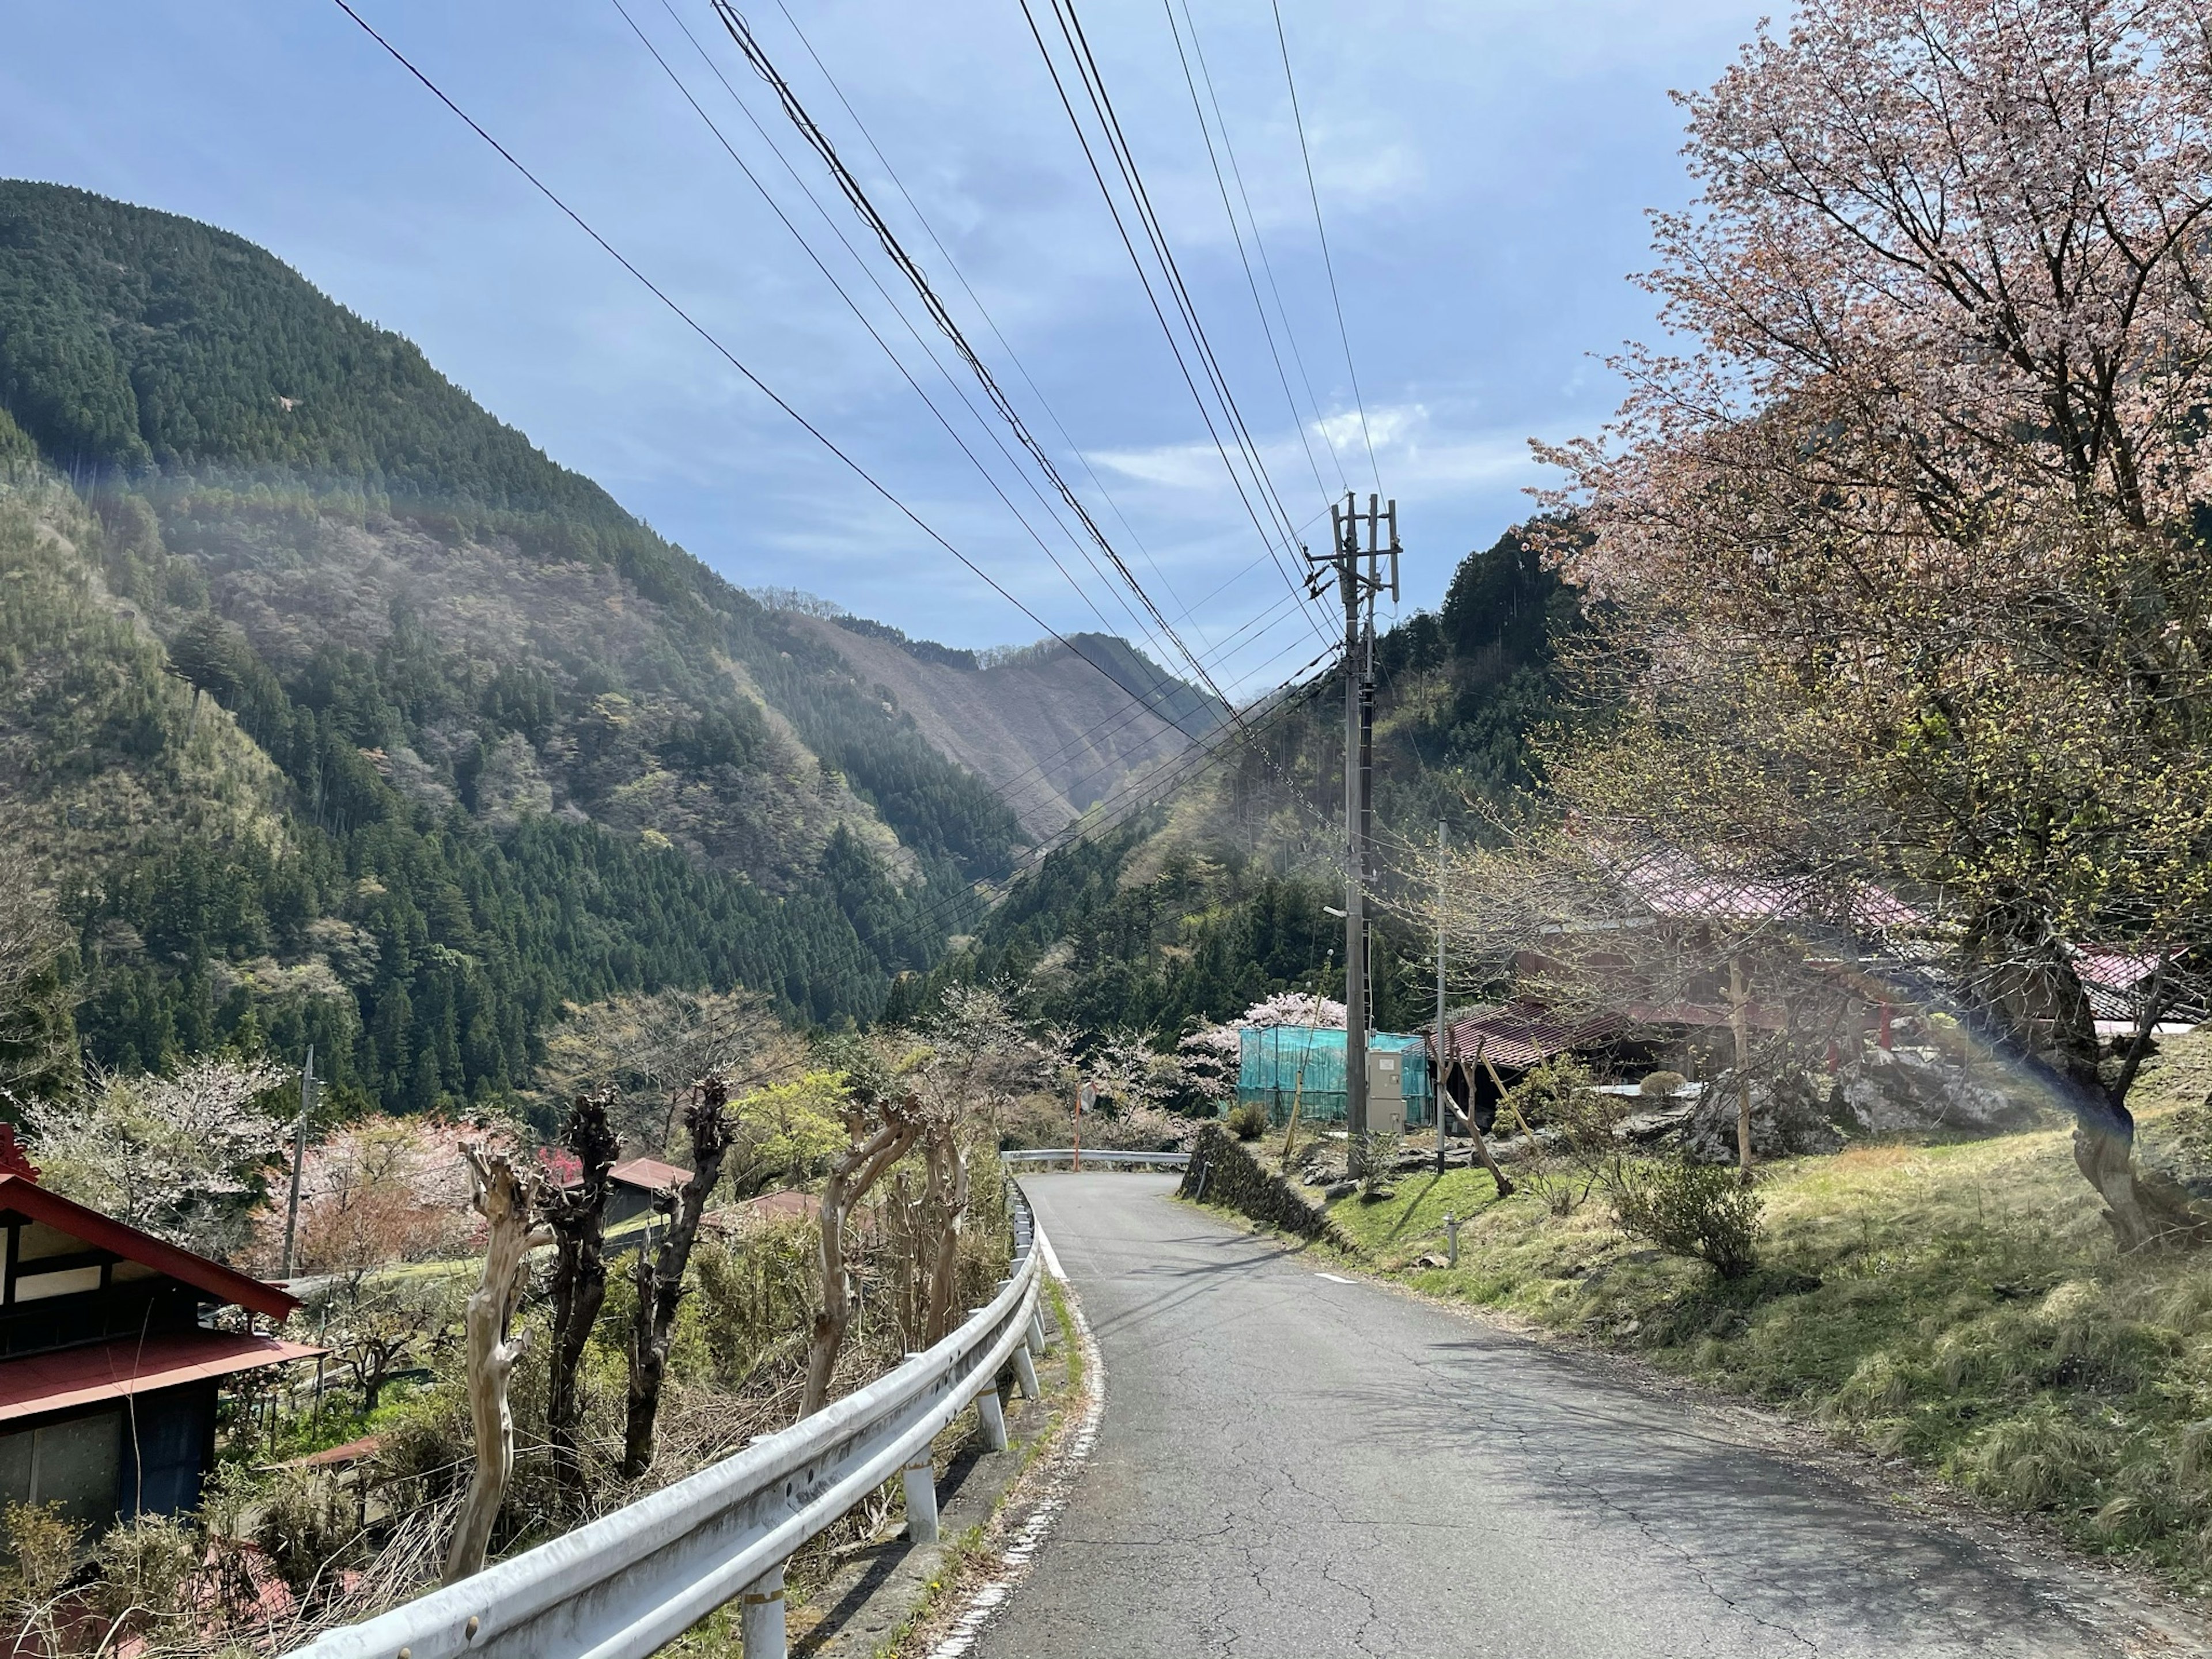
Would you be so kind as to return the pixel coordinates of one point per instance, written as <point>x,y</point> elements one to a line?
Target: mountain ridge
<point>519,751</point>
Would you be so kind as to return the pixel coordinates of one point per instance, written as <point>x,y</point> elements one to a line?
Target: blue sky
<point>1483,170</point>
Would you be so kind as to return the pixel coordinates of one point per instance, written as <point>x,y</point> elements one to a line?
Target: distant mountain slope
<point>1046,727</point>
<point>1215,898</point>
<point>481,743</point>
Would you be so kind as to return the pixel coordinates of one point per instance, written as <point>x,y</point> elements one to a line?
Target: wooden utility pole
<point>1358,587</point>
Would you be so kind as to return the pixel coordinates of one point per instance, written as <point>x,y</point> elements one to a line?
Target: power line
<point>862,316</point>
<point>1102,103</point>
<point>1328,264</point>
<point>1236,233</point>
<point>1113,209</point>
<point>977,300</point>
<point>1259,242</point>
<point>713,342</point>
<point>861,204</point>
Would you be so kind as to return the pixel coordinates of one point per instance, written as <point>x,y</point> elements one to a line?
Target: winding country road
<point>1290,1468</point>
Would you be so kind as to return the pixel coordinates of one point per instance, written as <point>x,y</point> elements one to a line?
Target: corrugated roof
<point>105,1232</point>
<point>1516,1035</point>
<point>649,1173</point>
<point>111,1370</point>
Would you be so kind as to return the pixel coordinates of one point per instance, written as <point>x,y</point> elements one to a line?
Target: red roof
<point>1518,1036</point>
<point>649,1173</point>
<point>109,1370</point>
<point>104,1232</point>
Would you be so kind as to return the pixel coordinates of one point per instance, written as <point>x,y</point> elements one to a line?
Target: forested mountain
<point>333,710</point>
<point>1213,900</point>
<point>1054,729</point>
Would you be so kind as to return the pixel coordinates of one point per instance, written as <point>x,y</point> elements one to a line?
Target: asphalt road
<point>1293,1468</point>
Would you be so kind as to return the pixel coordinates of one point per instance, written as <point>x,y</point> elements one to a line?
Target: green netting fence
<point>1278,1063</point>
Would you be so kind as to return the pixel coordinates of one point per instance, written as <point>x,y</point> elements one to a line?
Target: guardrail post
<point>991,1411</point>
<point>1037,1332</point>
<point>760,1617</point>
<point>921,1501</point>
<point>1026,1370</point>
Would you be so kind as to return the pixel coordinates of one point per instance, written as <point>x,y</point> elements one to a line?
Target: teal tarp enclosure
<point>1270,1059</point>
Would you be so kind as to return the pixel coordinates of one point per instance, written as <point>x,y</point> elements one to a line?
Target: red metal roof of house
<point>109,1370</point>
<point>1515,1037</point>
<point>27,1198</point>
<point>649,1173</point>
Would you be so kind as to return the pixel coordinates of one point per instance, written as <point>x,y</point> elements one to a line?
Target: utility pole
<point>1358,587</point>
<point>1438,1078</point>
<point>299,1157</point>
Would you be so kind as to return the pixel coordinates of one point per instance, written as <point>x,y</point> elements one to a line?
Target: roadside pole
<point>299,1157</point>
<point>1358,588</point>
<point>1436,1072</point>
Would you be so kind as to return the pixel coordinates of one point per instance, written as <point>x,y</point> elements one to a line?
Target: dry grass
<point>1958,1305</point>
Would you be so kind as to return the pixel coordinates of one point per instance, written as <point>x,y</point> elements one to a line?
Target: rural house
<point>108,1376</point>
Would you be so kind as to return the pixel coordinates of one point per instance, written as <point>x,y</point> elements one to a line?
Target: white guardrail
<point>627,1584</point>
<point>1090,1155</point>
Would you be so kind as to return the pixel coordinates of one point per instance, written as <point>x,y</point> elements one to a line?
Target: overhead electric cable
<point>866,323</point>
<point>1328,264</point>
<point>711,341</point>
<point>977,300</point>
<point>1236,235</point>
<point>1083,138</point>
<point>863,205</point>
<point>1124,154</point>
<point>1260,243</point>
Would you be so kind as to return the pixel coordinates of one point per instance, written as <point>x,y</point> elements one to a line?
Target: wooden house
<point>108,1373</point>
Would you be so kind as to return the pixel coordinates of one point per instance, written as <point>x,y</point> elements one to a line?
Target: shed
<point>1511,1039</point>
<point>107,1376</point>
<point>1278,1064</point>
<point>635,1182</point>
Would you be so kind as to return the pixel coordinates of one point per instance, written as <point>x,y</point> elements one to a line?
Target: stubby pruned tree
<point>575,1212</point>
<point>881,1127</point>
<point>1907,532</point>
<point>658,1272</point>
<point>505,1196</point>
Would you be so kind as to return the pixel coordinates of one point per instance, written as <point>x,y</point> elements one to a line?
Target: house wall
<point>147,1455</point>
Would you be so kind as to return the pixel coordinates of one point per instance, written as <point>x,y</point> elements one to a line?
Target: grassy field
<point>1961,1305</point>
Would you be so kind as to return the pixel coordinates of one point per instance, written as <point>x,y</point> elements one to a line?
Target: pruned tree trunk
<point>504,1197</point>
<point>577,1217</point>
<point>863,1163</point>
<point>944,1210</point>
<point>1739,1022</point>
<point>659,1274</point>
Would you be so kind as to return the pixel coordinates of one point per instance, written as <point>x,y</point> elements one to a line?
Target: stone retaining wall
<point>1222,1172</point>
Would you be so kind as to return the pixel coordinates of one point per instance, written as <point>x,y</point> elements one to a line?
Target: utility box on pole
<point>1386,1092</point>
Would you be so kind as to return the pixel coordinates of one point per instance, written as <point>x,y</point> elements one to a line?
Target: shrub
<point>1382,1158</point>
<point>1661,1084</point>
<point>1696,1210</point>
<point>1248,1122</point>
<point>1584,1149</point>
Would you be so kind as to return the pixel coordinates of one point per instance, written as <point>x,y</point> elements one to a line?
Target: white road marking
<point>1335,1279</point>
<point>1014,1558</point>
<point>1044,1247</point>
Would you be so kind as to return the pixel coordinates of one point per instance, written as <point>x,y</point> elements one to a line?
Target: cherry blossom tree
<point>180,1157</point>
<point>1900,536</point>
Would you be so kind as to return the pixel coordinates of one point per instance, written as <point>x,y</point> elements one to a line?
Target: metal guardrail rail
<point>1090,1155</point>
<point>627,1584</point>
